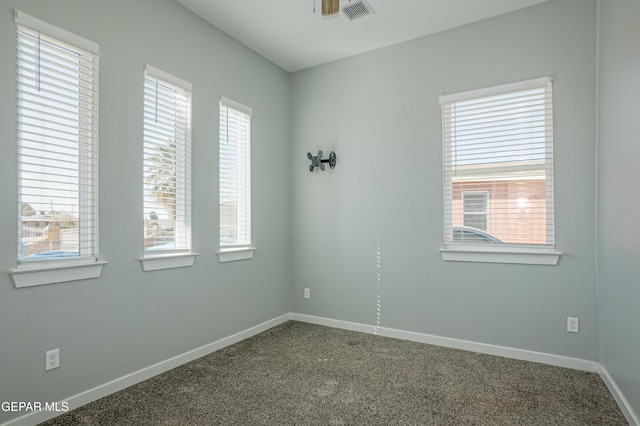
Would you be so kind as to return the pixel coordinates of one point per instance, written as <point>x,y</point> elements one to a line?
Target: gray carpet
<point>303,374</point>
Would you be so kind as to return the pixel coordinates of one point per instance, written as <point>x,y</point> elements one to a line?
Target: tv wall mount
<point>318,161</point>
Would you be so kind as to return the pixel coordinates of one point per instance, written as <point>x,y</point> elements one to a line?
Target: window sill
<point>34,275</point>
<point>167,261</point>
<point>231,255</point>
<point>500,255</point>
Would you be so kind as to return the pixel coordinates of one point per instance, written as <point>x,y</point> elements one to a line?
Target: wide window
<point>166,163</point>
<point>498,167</point>
<point>235,175</point>
<point>57,118</point>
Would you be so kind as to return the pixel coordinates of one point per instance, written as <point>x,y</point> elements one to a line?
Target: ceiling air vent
<point>357,9</point>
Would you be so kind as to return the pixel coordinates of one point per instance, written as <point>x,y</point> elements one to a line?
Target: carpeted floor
<point>303,374</point>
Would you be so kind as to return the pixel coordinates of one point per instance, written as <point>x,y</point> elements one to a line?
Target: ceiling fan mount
<point>354,10</point>
<point>330,7</point>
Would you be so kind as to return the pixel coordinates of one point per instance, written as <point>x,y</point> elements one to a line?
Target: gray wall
<point>380,113</point>
<point>618,197</point>
<point>127,320</point>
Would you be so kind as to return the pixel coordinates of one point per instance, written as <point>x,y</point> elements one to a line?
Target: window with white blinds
<point>235,175</point>
<point>498,166</point>
<point>57,119</point>
<point>166,162</point>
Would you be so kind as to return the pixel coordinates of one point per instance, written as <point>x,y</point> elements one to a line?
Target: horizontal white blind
<point>166,163</point>
<point>58,33</point>
<point>57,95</point>
<point>498,166</point>
<point>235,174</point>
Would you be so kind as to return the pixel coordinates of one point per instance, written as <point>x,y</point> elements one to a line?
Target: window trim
<point>236,253</point>
<point>33,273</point>
<point>167,261</point>
<point>52,274</point>
<point>232,253</point>
<point>50,30</point>
<point>496,90</point>
<point>491,253</point>
<point>153,260</point>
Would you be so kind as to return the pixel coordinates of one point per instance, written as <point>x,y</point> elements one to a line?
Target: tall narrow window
<point>57,96</point>
<point>167,162</point>
<point>498,166</point>
<point>235,175</point>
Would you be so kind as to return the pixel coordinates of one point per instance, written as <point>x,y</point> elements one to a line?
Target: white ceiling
<point>291,35</point>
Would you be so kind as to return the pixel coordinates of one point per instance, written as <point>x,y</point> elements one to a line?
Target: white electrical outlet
<point>52,359</point>
<point>573,325</point>
<point>307,293</point>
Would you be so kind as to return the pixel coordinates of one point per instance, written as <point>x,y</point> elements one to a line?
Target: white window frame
<point>234,181</point>
<point>167,111</point>
<point>491,252</point>
<point>40,113</point>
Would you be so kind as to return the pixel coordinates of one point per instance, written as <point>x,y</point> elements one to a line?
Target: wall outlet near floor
<point>307,293</point>
<point>573,325</point>
<point>52,359</point>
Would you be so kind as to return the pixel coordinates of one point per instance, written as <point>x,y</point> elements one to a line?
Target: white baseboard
<point>632,417</point>
<point>345,325</point>
<point>484,348</point>
<point>146,373</point>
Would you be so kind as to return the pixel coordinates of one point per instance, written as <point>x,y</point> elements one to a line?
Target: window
<point>498,167</point>
<point>475,209</point>
<point>235,176</point>
<point>57,114</point>
<point>166,163</point>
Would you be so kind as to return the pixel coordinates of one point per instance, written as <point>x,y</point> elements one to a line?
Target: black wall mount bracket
<point>318,161</point>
